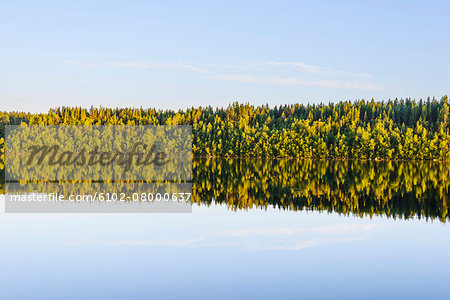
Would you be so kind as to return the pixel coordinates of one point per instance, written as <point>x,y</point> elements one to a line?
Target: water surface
<point>272,229</point>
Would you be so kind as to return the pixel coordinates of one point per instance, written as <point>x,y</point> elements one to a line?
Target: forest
<point>400,129</point>
<point>352,133</point>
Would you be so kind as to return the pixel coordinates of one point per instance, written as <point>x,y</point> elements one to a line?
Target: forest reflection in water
<point>397,189</point>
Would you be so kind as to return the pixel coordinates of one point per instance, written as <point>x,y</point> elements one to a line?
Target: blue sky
<point>175,54</point>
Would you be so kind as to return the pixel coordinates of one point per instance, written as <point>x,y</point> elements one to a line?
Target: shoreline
<point>315,158</point>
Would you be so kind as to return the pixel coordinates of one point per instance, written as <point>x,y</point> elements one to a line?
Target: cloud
<point>256,73</point>
<point>313,69</point>
<point>314,243</point>
<point>159,66</point>
<point>255,79</point>
<point>247,243</point>
<point>292,81</point>
<point>331,229</point>
<point>134,65</point>
<point>258,231</point>
<point>296,246</point>
<point>276,238</point>
<point>178,243</point>
<point>345,228</point>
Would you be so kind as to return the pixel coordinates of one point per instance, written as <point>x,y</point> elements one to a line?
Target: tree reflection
<point>364,188</point>
<point>396,189</point>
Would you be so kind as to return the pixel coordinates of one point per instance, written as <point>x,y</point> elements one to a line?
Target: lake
<point>267,229</point>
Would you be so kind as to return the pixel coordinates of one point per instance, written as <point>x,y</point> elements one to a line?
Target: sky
<point>178,54</point>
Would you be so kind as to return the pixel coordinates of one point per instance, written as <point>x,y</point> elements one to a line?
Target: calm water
<point>271,229</point>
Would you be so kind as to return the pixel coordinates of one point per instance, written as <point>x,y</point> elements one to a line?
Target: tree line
<point>393,129</point>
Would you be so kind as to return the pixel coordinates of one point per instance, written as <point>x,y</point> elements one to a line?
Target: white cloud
<point>292,81</point>
<point>276,238</point>
<point>313,69</point>
<point>258,231</point>
<point>331,229</point>
<point>159,66</point>
<point>256,73</point>
<point>314,243</point>
<point>178,243</point>
<point>134,65</point>
<point>345,228</point>
<point>296,246</point>
<point>255,79</point>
